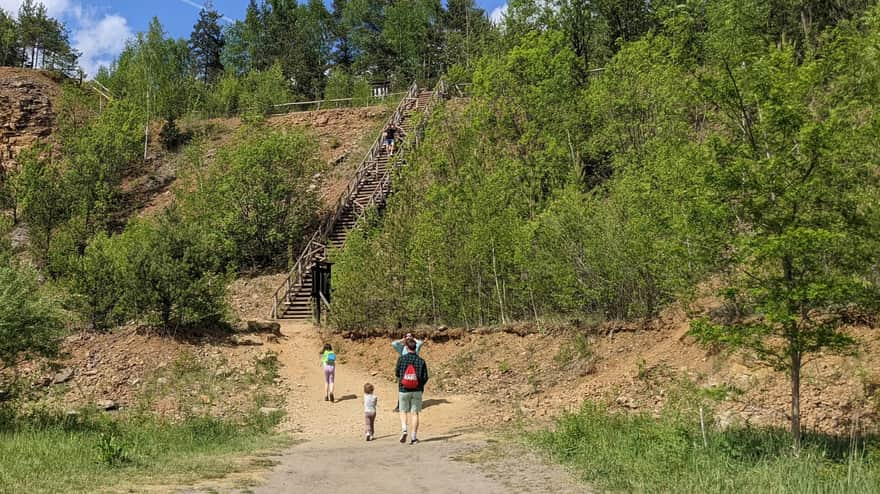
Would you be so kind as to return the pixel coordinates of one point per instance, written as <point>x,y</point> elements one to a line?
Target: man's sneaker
<point>368,437</point>
<point>403,437</point>
<point>414,441</point>
<point>326,398</point>
<point>331,398</point>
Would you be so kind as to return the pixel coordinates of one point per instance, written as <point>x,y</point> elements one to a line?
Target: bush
<point>258,196</point>
<point>261,91</point>
<point>170,274</point>
<point>30,322</point>
<point>171,137</point>
<point>165,273</point>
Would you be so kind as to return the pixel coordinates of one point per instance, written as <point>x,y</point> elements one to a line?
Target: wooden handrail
<point>316,245</point>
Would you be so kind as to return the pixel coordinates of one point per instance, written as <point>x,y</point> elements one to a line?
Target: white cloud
<point>498,13</point>
<point>100,40</point>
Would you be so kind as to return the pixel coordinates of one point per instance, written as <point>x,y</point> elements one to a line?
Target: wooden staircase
<point>368,189</point>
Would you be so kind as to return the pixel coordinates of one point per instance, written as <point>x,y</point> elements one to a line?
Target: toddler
<point>370,411</point>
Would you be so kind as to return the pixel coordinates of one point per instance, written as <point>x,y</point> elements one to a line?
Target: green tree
<point>29,320</point>
<point>43,36</point>
<point>261,90</point>
<point>258,196</point>
<point>170,273</point>
<point>411,30</point>
<point>96,280</point>
<point>800,177</point>
<point>41,197</point>
<point>153,72</point>
<point>10,41</point>
<point>206,43</point>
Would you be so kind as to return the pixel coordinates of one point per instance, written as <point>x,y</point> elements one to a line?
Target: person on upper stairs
<point>390,136</point>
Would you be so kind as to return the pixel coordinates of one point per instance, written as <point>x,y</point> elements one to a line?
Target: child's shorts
<point>329,373</point>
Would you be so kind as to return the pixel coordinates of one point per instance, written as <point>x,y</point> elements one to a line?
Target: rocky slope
<point>26,110</point>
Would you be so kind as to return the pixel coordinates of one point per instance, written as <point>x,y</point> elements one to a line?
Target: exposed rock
<point>26,114</point>
<point>264,327</point>
<point>107,405</point>
<point>62,376</point>
<point>247,340</point>
<point>269,410</point>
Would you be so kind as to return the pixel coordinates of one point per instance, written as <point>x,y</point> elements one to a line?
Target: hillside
<point>26,110</point>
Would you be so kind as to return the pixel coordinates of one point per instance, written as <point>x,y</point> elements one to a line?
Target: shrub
<point>257,196</point>
<point>30,322</point>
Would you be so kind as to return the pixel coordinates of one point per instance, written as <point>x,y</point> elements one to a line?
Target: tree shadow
<point>440,438</point>
<point>435,402</point>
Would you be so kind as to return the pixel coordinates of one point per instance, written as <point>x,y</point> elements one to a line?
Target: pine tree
<point>10,43</point>
<point>206,43</point>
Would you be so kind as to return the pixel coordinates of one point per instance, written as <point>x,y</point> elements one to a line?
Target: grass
<point>639,453</point>
<point>58,453</point>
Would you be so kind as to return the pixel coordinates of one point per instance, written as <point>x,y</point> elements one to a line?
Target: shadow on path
<point>434,402</point>
<point>440,438</point>
<point>346,397</point>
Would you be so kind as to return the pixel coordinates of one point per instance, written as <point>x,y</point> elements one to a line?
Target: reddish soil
<point>527,370</point>
<point>342,135</point>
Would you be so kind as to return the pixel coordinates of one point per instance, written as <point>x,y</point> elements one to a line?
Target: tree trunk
<point>498,288</point>
<point>796,400</point>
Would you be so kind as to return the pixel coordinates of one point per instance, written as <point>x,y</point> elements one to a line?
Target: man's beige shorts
<point>411,402</point>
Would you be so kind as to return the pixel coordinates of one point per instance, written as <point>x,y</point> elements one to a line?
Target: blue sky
<point>99,28</point>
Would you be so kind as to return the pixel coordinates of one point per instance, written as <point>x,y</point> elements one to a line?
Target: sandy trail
<point>335,455</point>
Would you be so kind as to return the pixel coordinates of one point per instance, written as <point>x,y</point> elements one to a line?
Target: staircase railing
<point>316,246</point>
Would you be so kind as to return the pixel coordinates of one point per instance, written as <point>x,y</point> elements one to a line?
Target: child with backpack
<point>328,362</point>
<point>370,411</point>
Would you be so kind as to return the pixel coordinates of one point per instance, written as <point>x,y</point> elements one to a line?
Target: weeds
<point>638,453</point>
<point>578,349</point>
<point>92,451</point>
<point>110,450</point>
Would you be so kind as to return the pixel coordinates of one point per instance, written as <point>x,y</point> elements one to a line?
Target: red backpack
<point>410,378</point>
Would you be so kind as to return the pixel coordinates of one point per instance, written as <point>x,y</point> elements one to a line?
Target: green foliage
<point>110,450</point>
<point>153,73</point>
<point>10,41</point>
<point>260,91</point>
<point>38,39</point>
<point>30,321</point>
<point>639,453</point>
<point>95,278</point>
<point>91,451</point>
<point>165,273</point>
<point>67,193</point>
<point>257,196</point>
<point>40,197</point>
<point>170,274</point>
<point>171,137</point>
<point>339,85</point>
<point>361,92</point>
<point>206,43</point>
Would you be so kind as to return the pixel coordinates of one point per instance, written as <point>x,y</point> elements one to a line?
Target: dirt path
<point>450,458</point>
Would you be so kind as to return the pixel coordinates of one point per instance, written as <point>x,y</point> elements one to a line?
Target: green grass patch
<point>639,453</point>
<point>54,452</point>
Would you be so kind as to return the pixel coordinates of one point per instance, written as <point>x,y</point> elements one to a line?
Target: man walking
<point>400,347</point>
<point>412,374</point>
